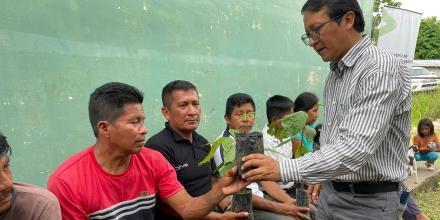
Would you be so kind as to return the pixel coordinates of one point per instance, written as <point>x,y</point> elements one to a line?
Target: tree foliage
<point>428,41</point>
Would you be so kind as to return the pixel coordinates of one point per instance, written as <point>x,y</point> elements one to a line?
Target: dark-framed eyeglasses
<point>315,32</point>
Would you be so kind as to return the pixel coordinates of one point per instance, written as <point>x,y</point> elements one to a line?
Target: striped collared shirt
<point>367,121</point>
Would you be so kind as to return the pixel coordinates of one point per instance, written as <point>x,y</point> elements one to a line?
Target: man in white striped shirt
<point>367,120</point>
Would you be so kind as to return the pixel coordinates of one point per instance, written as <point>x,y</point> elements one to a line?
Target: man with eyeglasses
<point>367,121</point>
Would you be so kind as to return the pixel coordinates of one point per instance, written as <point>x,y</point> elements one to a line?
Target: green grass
<point>429,201</point>
<point>425,105</point>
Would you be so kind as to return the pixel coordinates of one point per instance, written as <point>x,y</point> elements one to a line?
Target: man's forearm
<point>263,204</point>
<point>202,205</point>
<point>276,192</point>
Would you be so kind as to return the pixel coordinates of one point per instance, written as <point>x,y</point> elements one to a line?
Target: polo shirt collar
<point>177,136</point>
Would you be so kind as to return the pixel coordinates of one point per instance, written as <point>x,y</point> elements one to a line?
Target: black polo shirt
<point>185,156</point>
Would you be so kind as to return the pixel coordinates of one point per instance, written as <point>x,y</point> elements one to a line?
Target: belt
<point>365,187</point>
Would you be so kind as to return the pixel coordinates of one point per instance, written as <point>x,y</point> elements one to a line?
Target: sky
<point>427,7</point>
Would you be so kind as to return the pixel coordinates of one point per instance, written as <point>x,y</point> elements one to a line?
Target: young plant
<point>283,129</point>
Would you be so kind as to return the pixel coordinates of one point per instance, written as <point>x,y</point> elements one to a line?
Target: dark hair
<point>4,146</point>
<point>167,91</point>
<point>337,8</point>
<point>425,122</point>
<point>107,102</point>
<point>236,100</point>
<point>276,106</point>
<point>305,101</point>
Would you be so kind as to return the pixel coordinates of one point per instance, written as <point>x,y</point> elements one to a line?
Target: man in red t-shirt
<point>117,177</point>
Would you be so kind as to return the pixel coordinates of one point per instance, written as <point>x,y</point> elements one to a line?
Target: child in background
<point>427,143</point>
<point>307,102</point>
<point>277,107</point>
<point>275,203</point>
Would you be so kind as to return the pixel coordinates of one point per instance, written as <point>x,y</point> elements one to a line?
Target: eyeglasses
<point>314,33</point>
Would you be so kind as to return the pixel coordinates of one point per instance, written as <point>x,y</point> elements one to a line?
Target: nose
<point>192,110</point>
<point>143,130</point>
<point>312,42</point>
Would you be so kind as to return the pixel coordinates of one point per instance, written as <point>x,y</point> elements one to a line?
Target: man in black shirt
<point>183,147</point>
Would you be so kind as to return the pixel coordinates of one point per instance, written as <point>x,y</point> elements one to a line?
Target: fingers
<point>241,214</point>
<point>315,193</point>
<point>303,216</point>
<point>231,172</point>
<point>235,215</point>
<point>255,175</point>
<point>253,156</point>
<point>309,192</point>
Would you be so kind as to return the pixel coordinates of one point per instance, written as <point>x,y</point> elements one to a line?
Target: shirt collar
<point>351,56</point>
<point>177,136</point>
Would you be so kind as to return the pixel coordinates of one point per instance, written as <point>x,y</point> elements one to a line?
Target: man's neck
<point>352,40</point>
<point>185,134</point>
<point>110,160</point>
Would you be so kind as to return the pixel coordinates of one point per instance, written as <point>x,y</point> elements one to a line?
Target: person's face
<point>242,118</point>
<point>313,114</point>
<point>425,130</point>
<point>5,184</point>
<point>183,114</point>
<point>279,126</point>
<point>127,132</point>
<point>330,44</point>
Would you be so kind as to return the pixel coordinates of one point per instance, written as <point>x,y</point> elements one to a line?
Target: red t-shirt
<point>86,191</point>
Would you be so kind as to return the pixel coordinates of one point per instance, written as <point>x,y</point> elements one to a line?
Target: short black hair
<point>276,106</point>
<point>305,101</point>
<point>172,86</point>
<point>107,102</point>
<point>237,100</point>
<point>337,8</point>
<point>5,149</point>
<point>428,123</point>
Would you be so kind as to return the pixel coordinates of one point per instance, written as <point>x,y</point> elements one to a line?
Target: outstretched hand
<point>231,183</point>
<point>263,168</point>
<point>292,210</point>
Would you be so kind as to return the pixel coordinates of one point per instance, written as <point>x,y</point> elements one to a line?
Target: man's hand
<point>265,168</point>
<point>313,193</point>
<point>233,215</point>
<point>231,183</point>
<point>292,210</point>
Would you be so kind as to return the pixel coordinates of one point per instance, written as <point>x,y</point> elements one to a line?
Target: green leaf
<point>287,140</point>
<point>233,132</point>
<point>216,144</point>
<point>288,125</point>
<point>226,168</point>
<point>218,167</point>
<point>228,150</point>
<point>310,133</point>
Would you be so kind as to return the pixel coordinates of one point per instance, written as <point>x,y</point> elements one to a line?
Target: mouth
<point>6,197</point>
<point>192,121</point>
<point>319,50</point>
<point>140,141</point>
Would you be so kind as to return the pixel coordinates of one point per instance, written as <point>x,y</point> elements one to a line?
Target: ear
<point>103,128</point>
<point>165,113</point>
<point>348,20</point>
<point>227,119</point>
